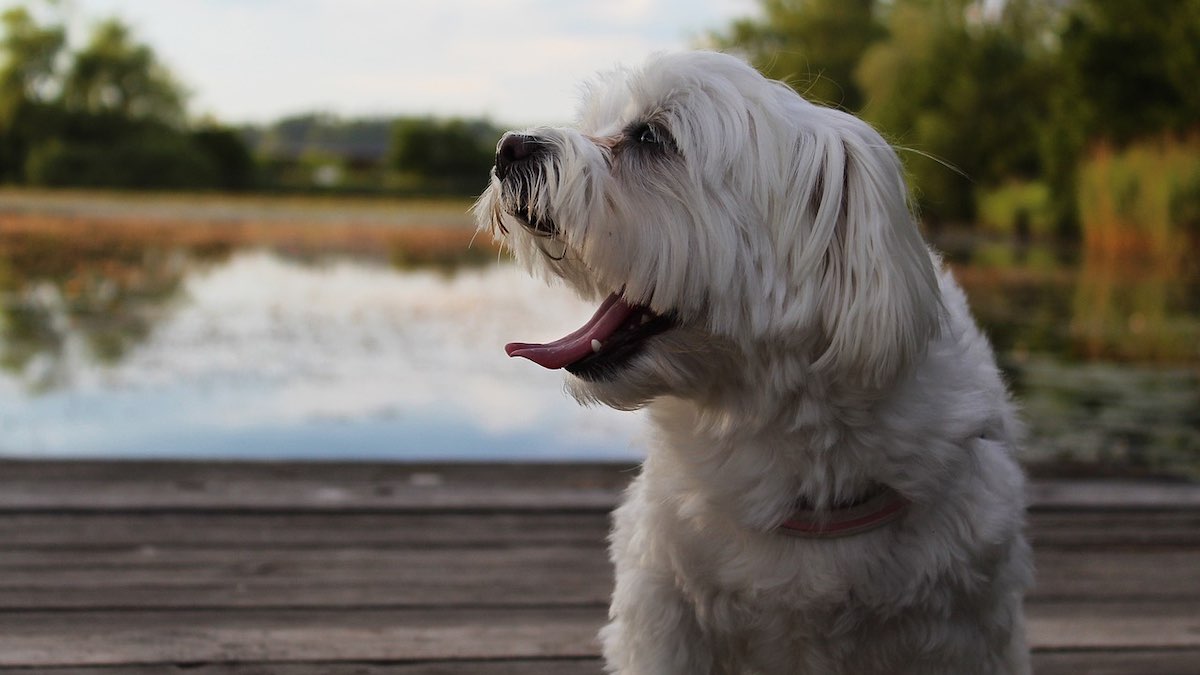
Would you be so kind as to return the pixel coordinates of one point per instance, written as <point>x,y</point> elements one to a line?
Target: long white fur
<point>822,348</point>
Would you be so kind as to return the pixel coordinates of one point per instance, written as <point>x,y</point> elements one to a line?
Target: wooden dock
<point>130,568</point>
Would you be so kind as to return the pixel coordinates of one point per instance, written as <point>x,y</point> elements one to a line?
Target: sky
<point>513,61</point>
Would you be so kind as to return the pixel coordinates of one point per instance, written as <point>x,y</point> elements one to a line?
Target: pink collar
<point>875,511</point>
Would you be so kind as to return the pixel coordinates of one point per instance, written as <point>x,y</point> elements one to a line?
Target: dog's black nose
<point>514,149</point>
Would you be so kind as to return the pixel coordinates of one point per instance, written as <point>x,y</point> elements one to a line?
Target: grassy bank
<point>77,238</point>
<point>226,208</point>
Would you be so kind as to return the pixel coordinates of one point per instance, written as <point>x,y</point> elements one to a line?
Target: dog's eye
<point>647,139</point>
<point>649,134</point>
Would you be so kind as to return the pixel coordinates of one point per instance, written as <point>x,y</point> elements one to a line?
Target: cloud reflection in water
<point>266,357</point>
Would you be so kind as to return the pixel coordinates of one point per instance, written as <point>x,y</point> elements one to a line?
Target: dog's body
<point>771,301</point>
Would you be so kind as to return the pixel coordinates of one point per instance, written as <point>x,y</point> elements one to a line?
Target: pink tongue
<point>567,350</point>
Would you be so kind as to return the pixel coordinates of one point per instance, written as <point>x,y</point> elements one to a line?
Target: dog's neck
<point>777,437</point>
<point>762,467</point>
<point>877,507</point>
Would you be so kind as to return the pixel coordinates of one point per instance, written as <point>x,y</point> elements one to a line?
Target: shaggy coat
<point>805,348</point>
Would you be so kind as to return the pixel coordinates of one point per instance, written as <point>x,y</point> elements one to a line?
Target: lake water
<point>161,347</point>
<point>261,356</point>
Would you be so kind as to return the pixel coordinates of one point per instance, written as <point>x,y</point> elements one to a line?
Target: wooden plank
<point>1113,662</point>
<point>1090,662</point>
<point>107,638</point>
<point>265,486</point>
<point>352,568</point>
<point>215,578</point>
<point>95,486</point>
<point>585,666</point>
<point>1117,575</point>
<point>1104,662</point>
<point>1112,626</point>
<point>296,495</point>
<point>195,474</point>
<point>82,531</point>
<point>1112,494</point>
<point>151,577</point>
<point>100,638</point>
<point>1107,529</point>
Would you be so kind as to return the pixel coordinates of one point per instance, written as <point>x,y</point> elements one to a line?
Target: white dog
<point>833,487</point>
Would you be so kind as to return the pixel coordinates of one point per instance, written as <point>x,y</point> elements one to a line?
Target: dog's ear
<point>879,294</point>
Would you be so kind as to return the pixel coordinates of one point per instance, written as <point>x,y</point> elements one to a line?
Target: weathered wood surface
<point>300,569</point>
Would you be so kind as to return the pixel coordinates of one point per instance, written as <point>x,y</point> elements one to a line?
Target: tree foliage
<point>107,115</point>
<point>28,80</point>
<point>450,154</point>
<point>30,56</point>
<point>814,45</point>
<point>115,75</point>
<point>1132,67</point>
<point>1126,72</point>
<point>1001,91</point>
<point>962,91</point>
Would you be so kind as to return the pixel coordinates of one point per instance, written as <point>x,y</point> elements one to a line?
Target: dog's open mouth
<point>599,348</point>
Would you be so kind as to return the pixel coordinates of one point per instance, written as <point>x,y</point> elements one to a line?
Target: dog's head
<point>729,229</point>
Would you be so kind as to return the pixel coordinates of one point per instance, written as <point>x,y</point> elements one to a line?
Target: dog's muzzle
<point>516,152</point>
<point>519,163</point>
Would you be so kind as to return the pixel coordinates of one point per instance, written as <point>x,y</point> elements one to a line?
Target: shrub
<point>228,153</point>
<point>1019,208</point>
<point>156,160</point>
<point>1144,199</point>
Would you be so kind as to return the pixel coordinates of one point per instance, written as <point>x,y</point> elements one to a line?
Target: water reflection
<point>260,356</point>
<point>360,343</point>
<point>1104,354</point>
<point>1136,311</point>
<point>1046,300</point>
<point>67,295</point>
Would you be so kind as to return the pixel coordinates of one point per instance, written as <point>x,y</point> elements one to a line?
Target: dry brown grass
<point>88,232</point>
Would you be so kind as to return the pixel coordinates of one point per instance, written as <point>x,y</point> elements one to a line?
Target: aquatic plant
<point>1142,200</point>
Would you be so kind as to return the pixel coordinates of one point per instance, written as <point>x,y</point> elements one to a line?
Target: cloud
<point>517,62</point>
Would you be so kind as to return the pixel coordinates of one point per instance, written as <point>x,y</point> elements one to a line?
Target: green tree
<point>108,115</point>
<point>115,75</point>
<point>960,83</point>
<point>148,156</point>
<point>962,88</point>
<point>124,122</point>
<point>448,155</point>
<point>30,57</point>
<point>1127,70</point>
<point>30,53</point>
<point>229,155</point>
<point>1134,66</point>
<point>814,45</point>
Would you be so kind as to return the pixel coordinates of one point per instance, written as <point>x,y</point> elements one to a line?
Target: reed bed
<point>1142,200</point>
